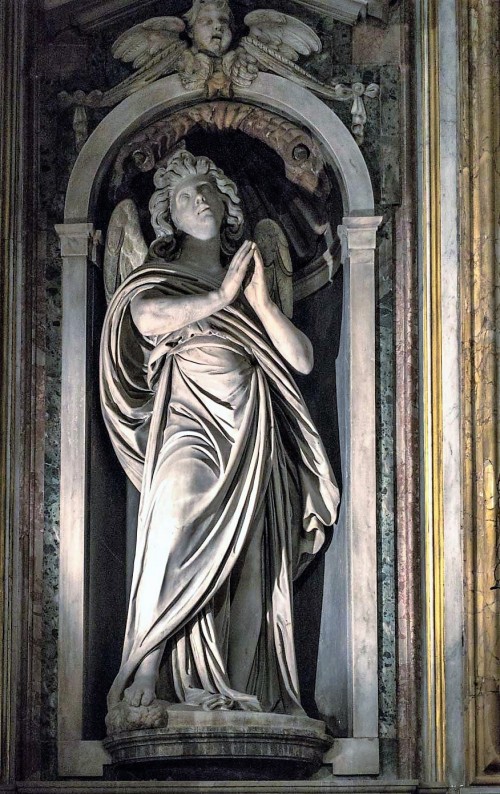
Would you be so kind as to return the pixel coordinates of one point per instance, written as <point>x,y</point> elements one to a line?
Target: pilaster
<point>76,757</point>
<point>354,556</point>
<point>21,401</point>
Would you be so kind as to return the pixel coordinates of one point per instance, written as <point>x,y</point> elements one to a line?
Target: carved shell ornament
<point>199,49</point>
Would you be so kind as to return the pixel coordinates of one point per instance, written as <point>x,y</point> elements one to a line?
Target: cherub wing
<point>277,40</point>
<point>125,247</point>
<point>153,47</point>
<point>278,37</point>
<point>149,41</point>
<point>278,268</point>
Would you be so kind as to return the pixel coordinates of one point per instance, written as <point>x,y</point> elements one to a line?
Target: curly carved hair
<point>190,16</point>
<point>180,166</point>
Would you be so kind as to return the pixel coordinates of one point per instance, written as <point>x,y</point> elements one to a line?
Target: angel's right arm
<point>155,314</point>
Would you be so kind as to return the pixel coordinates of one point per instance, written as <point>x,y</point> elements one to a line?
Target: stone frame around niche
<point>350,568</point>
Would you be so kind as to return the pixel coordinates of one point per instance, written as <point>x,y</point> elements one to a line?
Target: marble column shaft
<point>442,567</point>
<point>21,400</point>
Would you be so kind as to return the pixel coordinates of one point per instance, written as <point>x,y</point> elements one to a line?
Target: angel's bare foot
<point>142,691</point>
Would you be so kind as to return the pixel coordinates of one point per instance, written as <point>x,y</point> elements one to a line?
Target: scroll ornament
<point>198,49</point>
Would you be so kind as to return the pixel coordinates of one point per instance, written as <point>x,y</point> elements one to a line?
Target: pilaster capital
<point>358,233</point>
<point>78,239</point>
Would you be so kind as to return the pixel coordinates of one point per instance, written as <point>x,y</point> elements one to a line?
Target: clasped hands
<point>256,291</point>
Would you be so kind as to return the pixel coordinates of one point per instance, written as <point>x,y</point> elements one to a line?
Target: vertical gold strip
<point>432,418</point>
<point>480,205</point>
<point>436,388</point>
<point>426,400</point>
<point>484,96</point>
<point>467,375</point>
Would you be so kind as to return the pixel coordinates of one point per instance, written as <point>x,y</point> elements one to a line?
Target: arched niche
<point>346,679</point>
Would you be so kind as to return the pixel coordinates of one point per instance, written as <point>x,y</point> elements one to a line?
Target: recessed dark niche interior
<point>265,192</point>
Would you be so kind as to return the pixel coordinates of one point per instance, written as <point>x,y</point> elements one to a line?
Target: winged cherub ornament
<point>198,48</point>
<point>156,49</point>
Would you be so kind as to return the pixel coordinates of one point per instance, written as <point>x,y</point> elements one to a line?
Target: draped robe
<point>236,490</point>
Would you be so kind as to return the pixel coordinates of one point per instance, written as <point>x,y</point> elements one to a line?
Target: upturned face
<point>197,207</point>
<point>211,31</point>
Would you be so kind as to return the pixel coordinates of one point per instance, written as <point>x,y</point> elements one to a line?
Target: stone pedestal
<point>219,745</point>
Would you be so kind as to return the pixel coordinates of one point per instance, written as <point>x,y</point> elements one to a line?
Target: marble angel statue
<point>207,422</point>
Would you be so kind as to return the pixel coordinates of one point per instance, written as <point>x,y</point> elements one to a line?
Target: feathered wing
<point>154,48</point>
<point>125,247</point>
<point>286,36</point>
<point>277,40</point>
<point>142,43</point>
<point>278,268</point>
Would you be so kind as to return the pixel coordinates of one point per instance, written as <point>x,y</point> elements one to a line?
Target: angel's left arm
<point>293,345</point>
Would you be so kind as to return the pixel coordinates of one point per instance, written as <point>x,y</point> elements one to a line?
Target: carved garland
<point>300,153</point>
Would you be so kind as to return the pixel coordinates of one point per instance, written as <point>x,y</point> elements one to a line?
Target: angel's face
<point>211,31</point>
<point>197,207</point>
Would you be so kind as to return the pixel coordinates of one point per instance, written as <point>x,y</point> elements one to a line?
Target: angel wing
<point>125,247</point>
<point>153,48</point>
<point>283,34</point>
<point>278,268</point>
<point>140,44</point>
<point>276,40</point>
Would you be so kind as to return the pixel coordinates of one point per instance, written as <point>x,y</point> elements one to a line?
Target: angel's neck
<point>202,253</point>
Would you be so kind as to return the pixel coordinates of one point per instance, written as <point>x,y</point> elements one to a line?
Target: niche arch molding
<point>350,594</point>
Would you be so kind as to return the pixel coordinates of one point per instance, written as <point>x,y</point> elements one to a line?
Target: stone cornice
<point>97,13</point>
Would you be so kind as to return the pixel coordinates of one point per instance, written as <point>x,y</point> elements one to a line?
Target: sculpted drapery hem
<point>215,403</point>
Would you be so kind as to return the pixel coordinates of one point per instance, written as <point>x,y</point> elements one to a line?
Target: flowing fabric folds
<point>235,489</point>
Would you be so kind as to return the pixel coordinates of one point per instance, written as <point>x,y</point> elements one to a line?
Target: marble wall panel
<point>51,528</point>
<point>385,484</point>
<point>56,159</point>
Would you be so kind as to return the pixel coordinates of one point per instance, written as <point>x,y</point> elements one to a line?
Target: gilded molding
<point>480,204</point>
<point>432,418</point>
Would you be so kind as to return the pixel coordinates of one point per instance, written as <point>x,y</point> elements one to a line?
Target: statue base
<point>219,745</point>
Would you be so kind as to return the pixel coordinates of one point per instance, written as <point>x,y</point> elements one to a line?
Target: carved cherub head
<point>187,178</point>
<point>209,24</point>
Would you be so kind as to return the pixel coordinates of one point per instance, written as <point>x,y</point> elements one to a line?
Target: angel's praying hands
<point>293,345</point>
